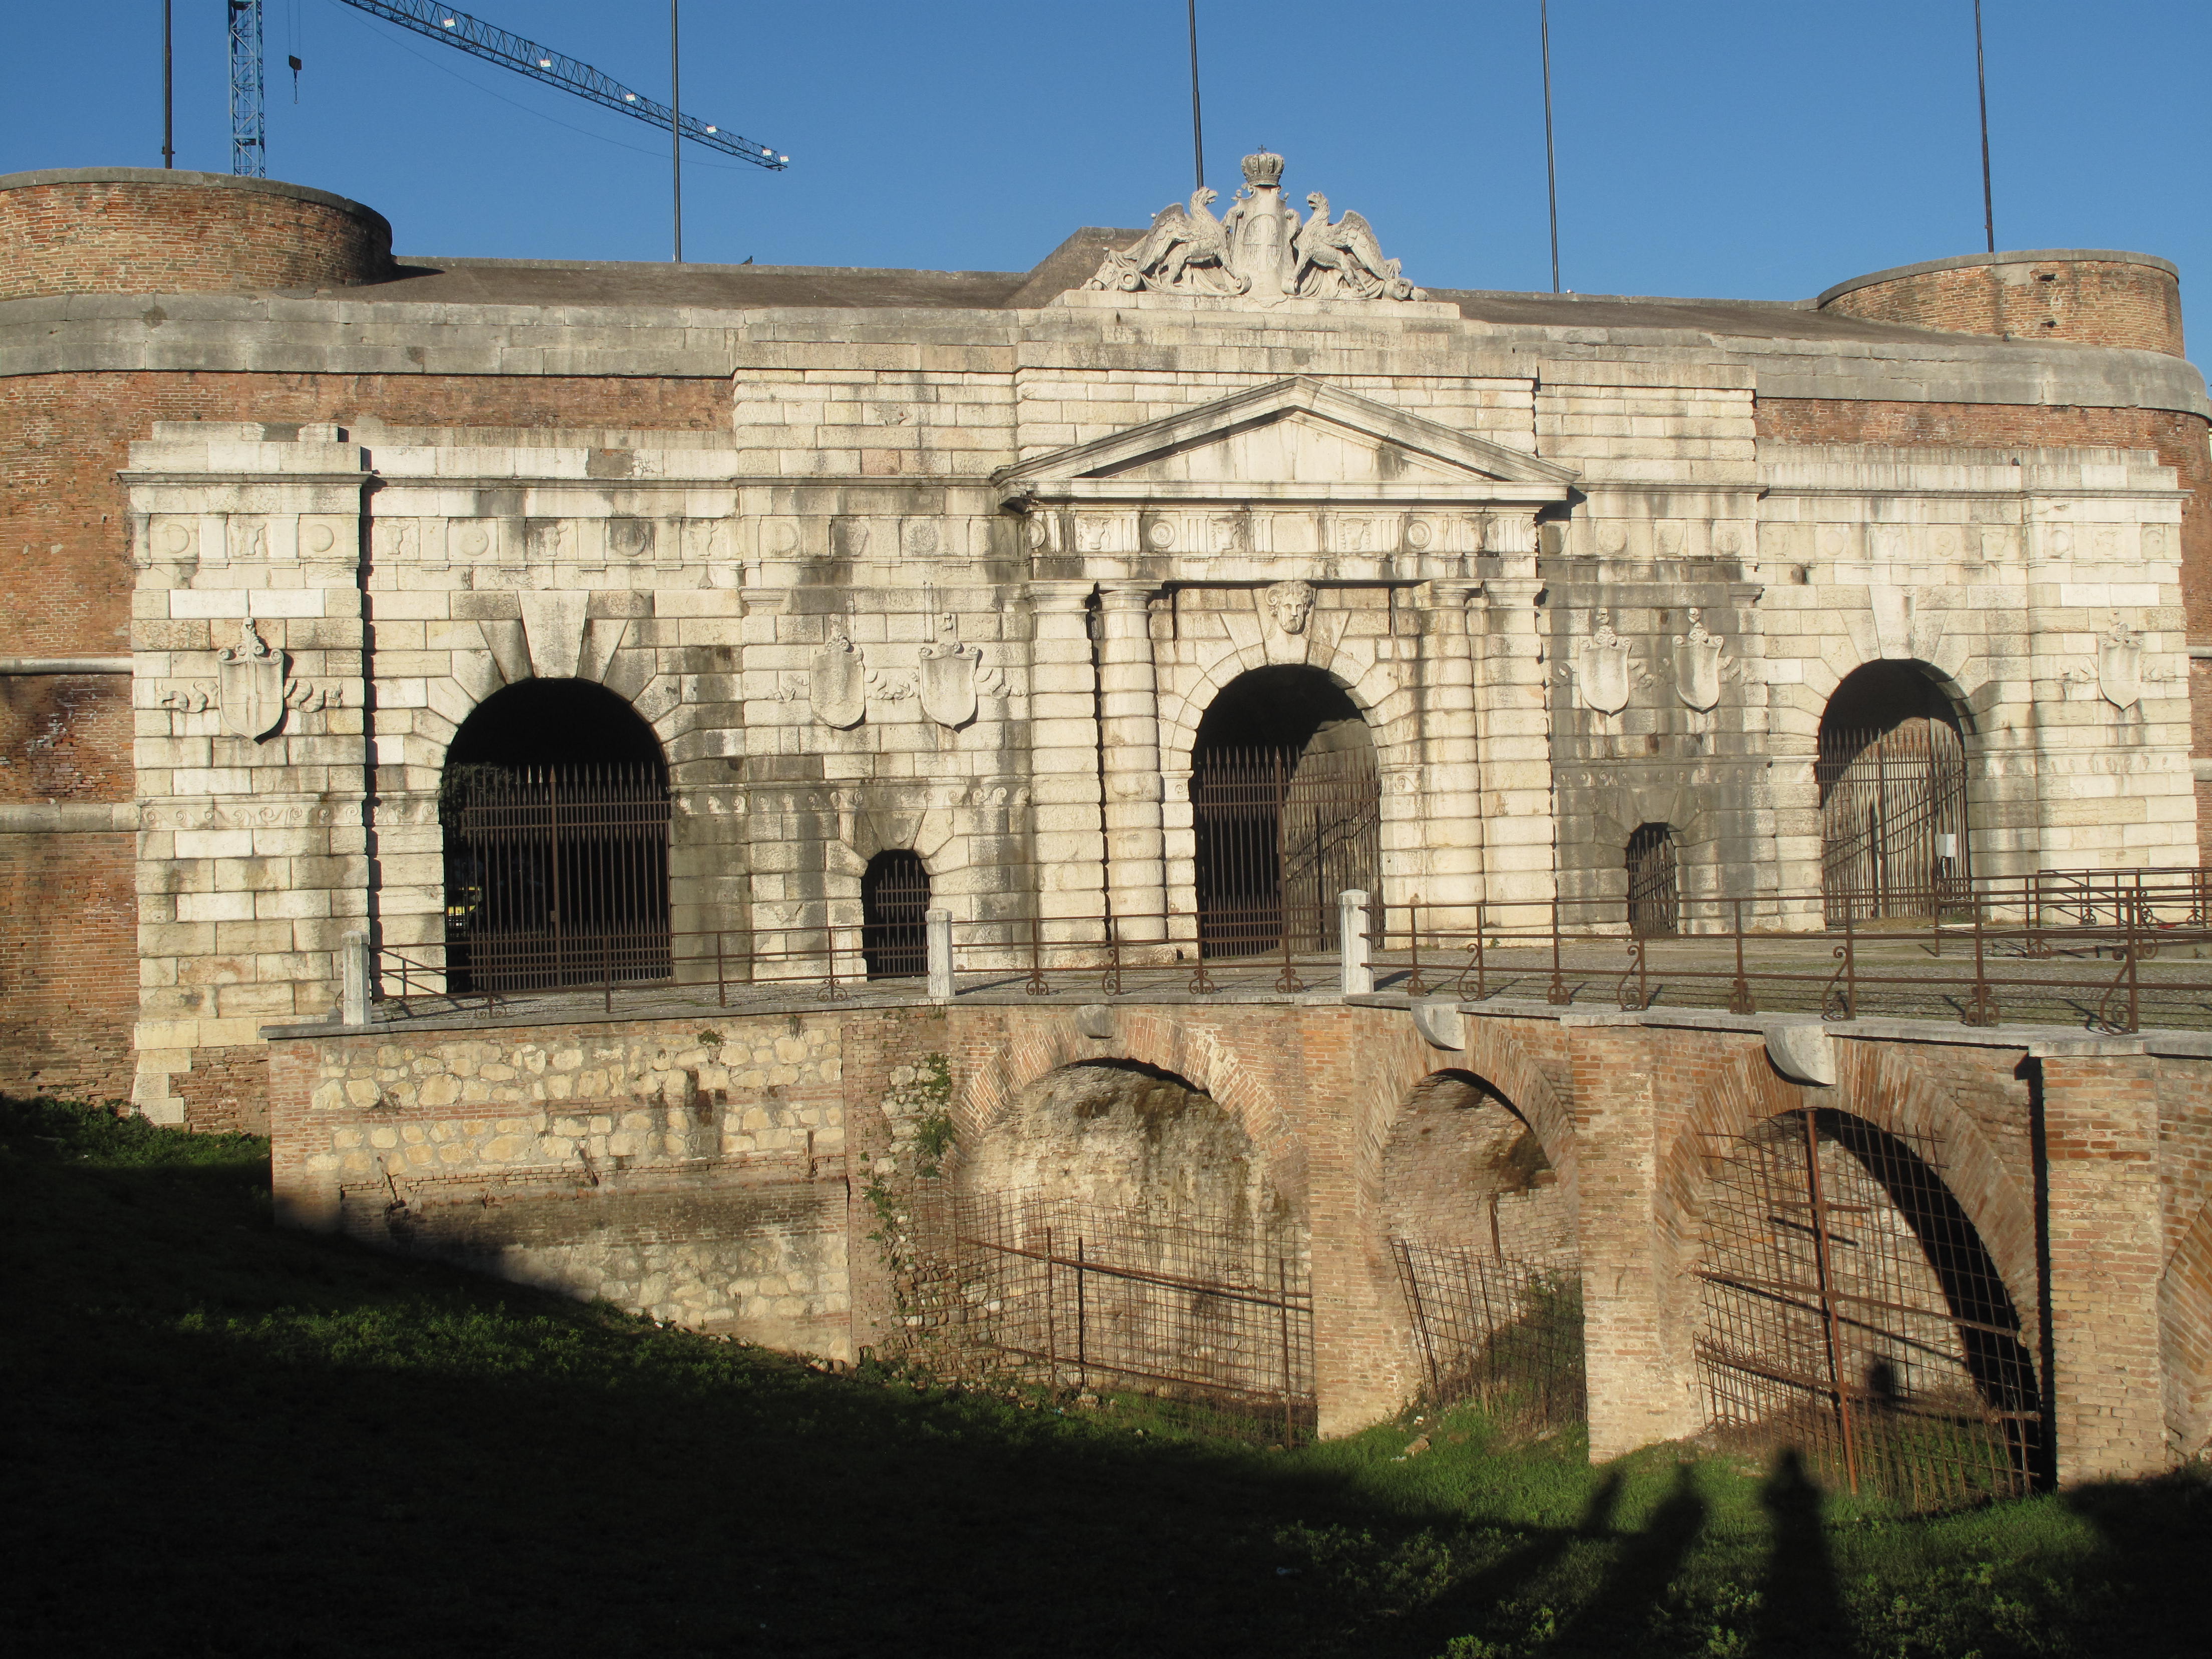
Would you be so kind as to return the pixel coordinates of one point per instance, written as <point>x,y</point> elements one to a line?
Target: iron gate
<point>1655,893</point>
<point>1077,1295</point>
<point>894,916</point>
<point>1279,834</point>
<point>1495,1328</point>
<point>1850,1311</point>
<point>555,876</point>
<point>1893,820</point>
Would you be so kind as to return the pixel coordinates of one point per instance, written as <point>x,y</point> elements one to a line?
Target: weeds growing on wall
<point>225,1440</point>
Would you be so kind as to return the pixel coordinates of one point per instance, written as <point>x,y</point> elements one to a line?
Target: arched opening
<point>554,805</point>
<point>1892,780</point>
<point>1117,1228</point>
<point>1484,1240</point>
<point>1655,887</point>
<point>1851,1311</point>
<point>894,915</point>
<point>1287,805</point>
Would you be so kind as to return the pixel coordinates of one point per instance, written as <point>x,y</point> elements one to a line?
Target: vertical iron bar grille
<point>1858,1318</point>
<point>1495,1328</point>
<point>1077,1295</point>
<point>894,916</point>
<point>1655,893</point>
<point>555,876</point>
<point>1279,834</point>
<point>1893,820</point>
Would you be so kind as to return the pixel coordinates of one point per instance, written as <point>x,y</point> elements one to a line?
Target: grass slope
<point>224,1439</point>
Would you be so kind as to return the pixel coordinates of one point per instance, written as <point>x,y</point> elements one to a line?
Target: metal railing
<point>2066,946</point>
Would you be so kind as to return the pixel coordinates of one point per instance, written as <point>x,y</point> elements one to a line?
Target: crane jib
<point>496,45</point>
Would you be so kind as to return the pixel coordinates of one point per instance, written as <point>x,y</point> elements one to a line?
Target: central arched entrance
<point>1286,806</point>
<point>554,809</point>
<point>1893,778</point>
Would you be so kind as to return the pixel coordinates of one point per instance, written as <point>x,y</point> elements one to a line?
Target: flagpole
<point>1551,163</point>
<point>1197,128</point>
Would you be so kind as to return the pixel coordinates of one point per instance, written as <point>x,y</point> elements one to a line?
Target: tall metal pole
<point>1982,87</point>
<point>676,127</point>
<point>1551,163</point>
<point>1197,127</point>
<point>168,88</point>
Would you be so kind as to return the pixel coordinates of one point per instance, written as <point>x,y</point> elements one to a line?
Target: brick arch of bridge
<point>2185,1337</point>
<point>1031,1043</point>
<point>1879,1083</point>
<point>1400,1063</point>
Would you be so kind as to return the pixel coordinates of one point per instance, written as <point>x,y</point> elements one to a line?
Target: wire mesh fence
<point>1073,1295</point>
<point>1851,1311</point>
<point>1498,1329</point>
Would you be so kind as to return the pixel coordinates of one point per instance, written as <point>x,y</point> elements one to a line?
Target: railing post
<point>1358,970</point>
<point>354,979</point>
<point>1981,1007</point>
<point>721,976</point>
<point>1415,986</point>
<point>938,924</point>
<point>2134,1012</point>
<point>607,971</point>
<point>1741,1000</point>
<point>1557,995</point>
<point>1481,969</point>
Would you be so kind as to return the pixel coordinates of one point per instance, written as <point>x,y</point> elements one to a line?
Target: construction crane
<point>249,146</point>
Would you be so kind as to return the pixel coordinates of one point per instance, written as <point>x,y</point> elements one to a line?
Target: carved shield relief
<point>837,683</point>
<point>2119,667</point>
<point>1698,667</point>
<point>1601,669</point>
<point>947,681</point>
<point>250,682</point>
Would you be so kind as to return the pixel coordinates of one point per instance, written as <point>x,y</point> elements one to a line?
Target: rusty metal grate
<point>555,876</point>
<point>1894,840</point>
<point>894,916</point>
<point>1077,1296</point>
<point>1655,887</point>
<point>1851,1311</point>
<point>1495,1328</point>
<point>1280,833</point>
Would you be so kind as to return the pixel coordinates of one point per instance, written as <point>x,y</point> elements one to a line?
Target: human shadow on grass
<point>1614,1619</point>
<point>2157,1535</point>
<point>1801,1606</point>
<point>228,1439</point>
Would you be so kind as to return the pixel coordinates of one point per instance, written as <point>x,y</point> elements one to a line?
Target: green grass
<point>225,1440</point>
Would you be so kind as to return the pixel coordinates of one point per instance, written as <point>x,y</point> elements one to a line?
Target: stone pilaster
<point>1451,873</point>
<point>1136,873</point>
<point>1514,714</point>
<point>2106,1250</point>
<point>1071,852</point>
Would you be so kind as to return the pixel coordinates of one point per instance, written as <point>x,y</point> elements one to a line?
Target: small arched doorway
<point>895,916</point>
<point>1654,886</point>
<point>1286,805</point>
<point>554,805</point>
<point>1892,780</point>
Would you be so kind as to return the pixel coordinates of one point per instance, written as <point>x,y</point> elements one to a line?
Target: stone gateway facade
<point>819,599</point>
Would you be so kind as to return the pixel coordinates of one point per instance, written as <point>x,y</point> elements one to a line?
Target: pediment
<point>1293,438</point>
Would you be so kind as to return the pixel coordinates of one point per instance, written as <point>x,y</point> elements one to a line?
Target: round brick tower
<point>149,230</point>
<point>2083,296</point>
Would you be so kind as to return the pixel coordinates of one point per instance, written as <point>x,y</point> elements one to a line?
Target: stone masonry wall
<point>2089,301</point>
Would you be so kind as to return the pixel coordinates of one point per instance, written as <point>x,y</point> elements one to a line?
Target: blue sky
<point>1759,149</point>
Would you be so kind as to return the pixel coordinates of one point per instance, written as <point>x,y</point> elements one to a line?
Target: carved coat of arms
<point>1697,666</point>
<point>1257,249</point>
<point>1602,668</point>
<point>946,677</point>
<point>250,684</point>
<point>2119,666</point>
<point>837,683</point>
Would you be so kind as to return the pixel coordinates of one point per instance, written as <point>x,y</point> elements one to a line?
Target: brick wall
<point>195,233</point>
<point>69,953</point>
<point>2083,302</point>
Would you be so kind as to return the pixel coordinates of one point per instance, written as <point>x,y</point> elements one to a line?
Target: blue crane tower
<point>249,148</point>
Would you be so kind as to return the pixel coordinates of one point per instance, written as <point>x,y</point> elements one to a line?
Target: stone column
<point>1136,870</point>
<point>1514,712</point>
<point>2105,1242</point>
<point>1636,1396</point>
<point>1451,796</point>
<point>1070,853</point>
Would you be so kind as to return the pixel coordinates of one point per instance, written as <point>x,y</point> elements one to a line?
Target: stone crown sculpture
<point>1259,250</point>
